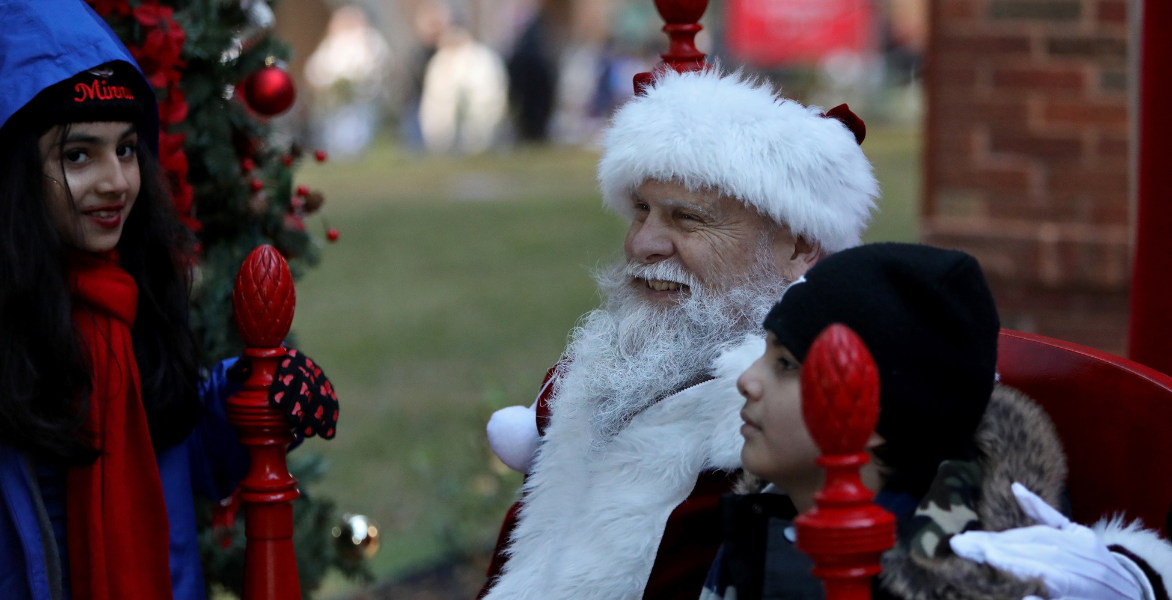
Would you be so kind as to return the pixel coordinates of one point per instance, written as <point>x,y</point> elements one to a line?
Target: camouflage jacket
<point>1017,442</point>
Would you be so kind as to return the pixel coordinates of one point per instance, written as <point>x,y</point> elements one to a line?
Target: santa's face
<point>710,236</point>
<point>634,351</point>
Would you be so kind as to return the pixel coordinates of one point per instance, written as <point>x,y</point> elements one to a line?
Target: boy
<point>948,445</point>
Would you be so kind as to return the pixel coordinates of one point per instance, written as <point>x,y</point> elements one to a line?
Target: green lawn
<point>449,294</point>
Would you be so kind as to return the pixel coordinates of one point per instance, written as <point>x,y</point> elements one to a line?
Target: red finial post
<point>844,533</point>
<point>682,18</point>
<point>263,300</point>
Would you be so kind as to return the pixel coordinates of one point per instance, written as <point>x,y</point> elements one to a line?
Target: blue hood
<point>43,42</point>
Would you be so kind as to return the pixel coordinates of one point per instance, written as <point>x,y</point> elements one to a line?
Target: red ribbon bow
<point>852,121</point>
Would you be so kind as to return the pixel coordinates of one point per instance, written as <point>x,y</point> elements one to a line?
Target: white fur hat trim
<point>708,130</point>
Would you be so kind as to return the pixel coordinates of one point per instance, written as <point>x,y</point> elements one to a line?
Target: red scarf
<point>118,531</point>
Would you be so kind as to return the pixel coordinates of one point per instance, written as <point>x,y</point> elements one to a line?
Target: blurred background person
<point>348,73</point>
<point>430,21</point>
<point>533,70</point>
<point>464,94</point>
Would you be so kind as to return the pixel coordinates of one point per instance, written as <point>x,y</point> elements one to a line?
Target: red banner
<point>772,33</point>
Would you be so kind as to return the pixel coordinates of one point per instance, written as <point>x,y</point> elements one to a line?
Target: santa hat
<point>708,130</point>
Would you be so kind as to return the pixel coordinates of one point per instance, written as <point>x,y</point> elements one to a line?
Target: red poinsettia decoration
<point>173,108</point>
<point>159,57</point>
<point>163,43</point>
<point>173,162</point>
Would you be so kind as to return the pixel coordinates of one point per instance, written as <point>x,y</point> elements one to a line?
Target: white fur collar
<point>591,521</point>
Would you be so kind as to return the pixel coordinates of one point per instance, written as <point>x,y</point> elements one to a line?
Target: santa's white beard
<point>633,352</point>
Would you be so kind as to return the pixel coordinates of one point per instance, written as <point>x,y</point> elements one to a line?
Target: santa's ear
<point>874,441</point>
<point>794,254</point>
<point>806,250</point>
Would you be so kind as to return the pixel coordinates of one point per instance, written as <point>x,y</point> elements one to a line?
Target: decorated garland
<point>218,75</point>
<point>159,58</point>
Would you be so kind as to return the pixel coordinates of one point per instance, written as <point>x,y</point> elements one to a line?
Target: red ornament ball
<point>269,91</point>
<point>247,165</point>
<point>257,185</point>
<point>295,222</point>
<point>303,190</point>
<point>332,234</point>
<point>287,160</point>
<point>320,155</point>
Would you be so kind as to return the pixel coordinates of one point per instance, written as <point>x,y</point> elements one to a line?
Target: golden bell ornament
<point>357,536</point>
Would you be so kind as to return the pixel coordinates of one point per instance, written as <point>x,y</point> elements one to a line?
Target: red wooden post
<point>682,18</point>
<point>844,533</point>
<point>264,299</point>
<point>1150,331</point>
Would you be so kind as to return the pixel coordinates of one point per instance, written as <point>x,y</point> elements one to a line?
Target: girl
<point>951,451</point>
<point>105,427</point>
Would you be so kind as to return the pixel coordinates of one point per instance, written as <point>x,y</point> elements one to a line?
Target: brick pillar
<point>1026,158</point>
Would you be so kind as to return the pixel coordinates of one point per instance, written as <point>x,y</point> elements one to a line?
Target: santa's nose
<point>650,241</point>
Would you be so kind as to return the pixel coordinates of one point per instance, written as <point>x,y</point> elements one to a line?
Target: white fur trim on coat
<point>592,518</point>
<point>1144,543</point>
<point>705,129</point>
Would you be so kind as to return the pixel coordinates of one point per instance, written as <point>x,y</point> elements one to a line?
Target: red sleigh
<point>1113,416</point>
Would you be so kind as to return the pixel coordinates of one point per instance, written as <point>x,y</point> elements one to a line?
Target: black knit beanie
<point>109,92</point>
<point>929,321</point>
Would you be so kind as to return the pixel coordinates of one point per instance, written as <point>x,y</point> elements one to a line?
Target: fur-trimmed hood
<point>1018,443</point>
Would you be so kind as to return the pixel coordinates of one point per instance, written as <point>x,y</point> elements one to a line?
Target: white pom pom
<point>512,433</point>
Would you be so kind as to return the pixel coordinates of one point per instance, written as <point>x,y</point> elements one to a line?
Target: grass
<point>449,294</point>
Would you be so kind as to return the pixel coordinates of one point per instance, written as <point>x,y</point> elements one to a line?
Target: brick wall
<point>1026,157</point>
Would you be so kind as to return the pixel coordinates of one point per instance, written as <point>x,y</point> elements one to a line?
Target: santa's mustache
<point>667,270</point>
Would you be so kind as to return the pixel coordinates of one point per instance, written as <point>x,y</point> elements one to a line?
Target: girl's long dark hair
<point>44,374</point>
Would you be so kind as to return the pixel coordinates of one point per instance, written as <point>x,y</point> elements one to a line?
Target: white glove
<point>512,434</point>
<point>1068,557</point>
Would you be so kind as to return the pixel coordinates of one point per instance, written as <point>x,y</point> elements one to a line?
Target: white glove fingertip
<point>1037,509</point>
<point>968,546</point>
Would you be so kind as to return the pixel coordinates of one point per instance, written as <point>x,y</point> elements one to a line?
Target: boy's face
<point>777,446</point>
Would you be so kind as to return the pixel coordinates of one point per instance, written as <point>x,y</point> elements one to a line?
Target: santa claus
<point>732,193</point>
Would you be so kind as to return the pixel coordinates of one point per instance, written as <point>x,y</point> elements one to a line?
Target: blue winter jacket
<point>43,42</point>
<point>210,462</point>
